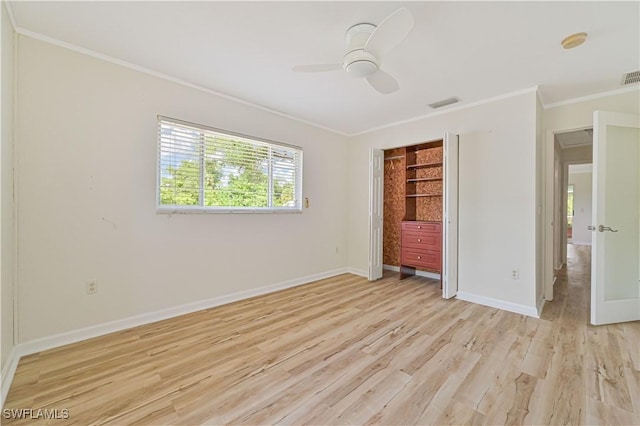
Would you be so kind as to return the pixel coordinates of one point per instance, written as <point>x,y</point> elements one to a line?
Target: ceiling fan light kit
<point>360,64</point>
<point>361,68</point>
<point>357,62</point>
<point>366,44</point>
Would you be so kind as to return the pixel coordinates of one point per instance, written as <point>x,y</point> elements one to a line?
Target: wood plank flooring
<point>346,351</point>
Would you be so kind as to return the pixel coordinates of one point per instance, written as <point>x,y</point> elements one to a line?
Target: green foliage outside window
<point>236,173</point>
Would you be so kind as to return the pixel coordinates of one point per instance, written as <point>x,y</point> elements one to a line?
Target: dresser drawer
<point>420,227</point>
<point>425,240</point>
<point>421,258</point>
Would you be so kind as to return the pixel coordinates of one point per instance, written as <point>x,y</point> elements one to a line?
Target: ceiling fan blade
<point>391,32</point>
<point>383,82</point>
<point>317,68</point>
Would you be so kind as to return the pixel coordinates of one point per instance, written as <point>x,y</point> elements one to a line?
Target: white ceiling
<point>472,50</point>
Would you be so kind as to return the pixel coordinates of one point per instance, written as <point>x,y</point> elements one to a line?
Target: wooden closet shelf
<point>424,165</point>
<point>427,179</point>
<point>423,195</point>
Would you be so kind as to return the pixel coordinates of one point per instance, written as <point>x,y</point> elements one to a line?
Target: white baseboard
<point>425,274</point>
<point>500,304</point>
<point>581,243</point>
<point>356,271</point>
<point>73,336</point>
<point>8,371</point>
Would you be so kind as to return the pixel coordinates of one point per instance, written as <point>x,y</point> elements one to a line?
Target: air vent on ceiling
<point>631,78</point>
<point>444,103</point>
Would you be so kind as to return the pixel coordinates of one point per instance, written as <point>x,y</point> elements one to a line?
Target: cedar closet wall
<point>395,166</point>
<point>410,193</point>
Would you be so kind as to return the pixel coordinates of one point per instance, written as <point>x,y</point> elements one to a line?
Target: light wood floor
<point>345,351</point>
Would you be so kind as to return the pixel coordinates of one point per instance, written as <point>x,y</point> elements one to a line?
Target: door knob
<point>603,228</point>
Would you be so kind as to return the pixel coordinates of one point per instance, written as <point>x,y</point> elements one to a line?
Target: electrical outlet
<point>92,286</point>
<point>515,274</point>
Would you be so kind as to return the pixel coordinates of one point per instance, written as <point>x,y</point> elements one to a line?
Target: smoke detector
<point>574,40</point>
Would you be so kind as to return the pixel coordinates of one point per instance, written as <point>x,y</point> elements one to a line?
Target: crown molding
<point>593,96</point>
<point>448,110</point>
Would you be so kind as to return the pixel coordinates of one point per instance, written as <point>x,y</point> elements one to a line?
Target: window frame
<point>190,209</point>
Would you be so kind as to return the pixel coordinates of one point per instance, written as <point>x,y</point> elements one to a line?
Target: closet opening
<point>413,210</point>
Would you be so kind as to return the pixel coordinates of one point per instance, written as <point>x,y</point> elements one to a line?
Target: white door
<point>615,260</point>
<point>376,188</point>
<point>450,218</point>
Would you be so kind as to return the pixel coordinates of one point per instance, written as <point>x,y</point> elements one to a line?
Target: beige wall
<point>540,189</point>
<point>87,176</point>
<point>7,239</point>
<point>579,115</point>
<point>582,184</point>
<point>578,154</point>
<point>557,206</point>
<point>497,193</point>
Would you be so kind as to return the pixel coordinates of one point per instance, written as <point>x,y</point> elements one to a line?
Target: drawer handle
<point>419,240</point>
<point>419,227</point>
<point>419,257</point>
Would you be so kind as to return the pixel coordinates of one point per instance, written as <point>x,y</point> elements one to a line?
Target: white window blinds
<point>204,169</point>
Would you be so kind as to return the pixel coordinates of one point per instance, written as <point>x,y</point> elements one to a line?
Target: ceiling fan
<point>367,43</point>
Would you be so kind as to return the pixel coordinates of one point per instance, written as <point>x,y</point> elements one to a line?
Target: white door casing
<point>450,217</point>
<point>376,194</point>
<point>615,260</point>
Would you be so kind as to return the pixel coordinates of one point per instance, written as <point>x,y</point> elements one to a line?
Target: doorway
<point>434,253</point>
<point>579,204</point>
<point>613,235</point>
<point>573,156</point>
<point>413,198</point>
<point>574,276</point>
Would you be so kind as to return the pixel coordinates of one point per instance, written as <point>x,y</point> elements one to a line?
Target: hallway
<point>599,366</point>
<point>574,279</point>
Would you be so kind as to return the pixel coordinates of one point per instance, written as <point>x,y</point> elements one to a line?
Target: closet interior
<point>413,196</point>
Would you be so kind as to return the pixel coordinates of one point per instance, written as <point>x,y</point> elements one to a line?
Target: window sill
<point>224,210</point>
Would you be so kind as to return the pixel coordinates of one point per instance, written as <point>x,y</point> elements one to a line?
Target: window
<point>201,169</point>
<point>570,211</point>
